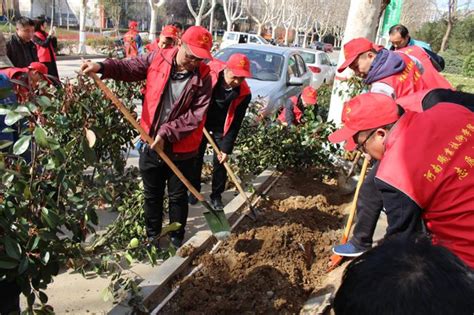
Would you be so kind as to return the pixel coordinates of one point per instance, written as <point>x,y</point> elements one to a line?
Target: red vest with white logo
<point>407,81</point>
<point>429,157</point>
<point>156,79</point>
<point>44,52</point>
<point>131,49</point>
<point>431,77</point>
<point>296,111</point>
<point>217,67</point>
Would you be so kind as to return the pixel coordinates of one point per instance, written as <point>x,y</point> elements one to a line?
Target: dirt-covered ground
<point>272,265</point>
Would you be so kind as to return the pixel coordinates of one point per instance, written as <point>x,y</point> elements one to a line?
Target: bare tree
<point>287,18</point>
<point>415,13</point>
<point>338,20</point>
<point>276,11</point>
<point>81,48</point>
<point>233,10</point>
<point>450,19</point>
<point>199,15</point>
<point>113,9</point>
<point>260,12</point>
<point>154,6</point>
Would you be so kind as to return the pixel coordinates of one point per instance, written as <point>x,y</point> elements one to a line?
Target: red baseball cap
<point>355,47</point>
<point>309,95</point>
<point>132,24</point>
<point>170,31</point>
<point>239,64</point>
<point>364,112</point>
<point>41,68</point>
<point>199,41</point>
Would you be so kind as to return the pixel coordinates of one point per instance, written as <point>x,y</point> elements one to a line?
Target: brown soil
<point>272,265</point>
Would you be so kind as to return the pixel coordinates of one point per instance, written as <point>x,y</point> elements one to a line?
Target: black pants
<point>219,173</point>
<point>156,175</point>
<point>369,206</point>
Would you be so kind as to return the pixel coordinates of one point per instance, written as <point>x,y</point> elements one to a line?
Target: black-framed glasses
<point>361,147</point>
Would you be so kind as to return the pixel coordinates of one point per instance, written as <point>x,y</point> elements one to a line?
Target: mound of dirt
<point>271,265</point>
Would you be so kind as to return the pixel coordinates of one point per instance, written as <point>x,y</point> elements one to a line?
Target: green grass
<point>460,82</point>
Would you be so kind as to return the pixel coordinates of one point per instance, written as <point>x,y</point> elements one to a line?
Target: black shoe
<point>153,242</point>
<point>192,200</point>
<point>217,203</point>
<point>176,242</point>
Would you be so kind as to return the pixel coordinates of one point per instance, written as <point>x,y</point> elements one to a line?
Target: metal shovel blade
<point>218,223</point>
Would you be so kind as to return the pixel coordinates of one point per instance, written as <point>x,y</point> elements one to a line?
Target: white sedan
<point>321,67</point>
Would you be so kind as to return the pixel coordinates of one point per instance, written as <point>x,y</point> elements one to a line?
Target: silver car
<point>277,73</point>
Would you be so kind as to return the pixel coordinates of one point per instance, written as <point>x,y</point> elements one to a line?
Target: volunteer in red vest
<point>132,40</point>
<point>385,71</point>
<point>426,166</point>
<point>30,77</point>
<point>46,43</point>
<point>230,99</point>
<point>293,111</point>
<point>396,75</point>
<point>168,38</point>
<point>178,94</point>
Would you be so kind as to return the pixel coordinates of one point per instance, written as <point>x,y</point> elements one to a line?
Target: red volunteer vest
<point>431,77</point>
<point>407,81</point>
<point>296,111</point>
<point>157,77</point>
<point>436,172</point>
<point>131,49</point>
<point>43,52</point>
<point>216,66</point>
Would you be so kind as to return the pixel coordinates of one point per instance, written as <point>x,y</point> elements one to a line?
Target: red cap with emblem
<point>132,24</point>
<point>309,95</point>
<point>38,66</point>
<point>199,41</point>
<point>239,64</point>
<point>355,47</point>
<point>170,31</point>
<point>364,112</point>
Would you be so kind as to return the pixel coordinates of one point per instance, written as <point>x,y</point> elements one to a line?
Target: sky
<point>443,4</point>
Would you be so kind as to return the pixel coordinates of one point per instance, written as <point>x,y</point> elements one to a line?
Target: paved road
<point>67,68</point>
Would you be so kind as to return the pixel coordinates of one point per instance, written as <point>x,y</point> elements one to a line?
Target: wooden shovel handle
<point>227,167</point>
<point>354,201</point>
<point>144,134</point>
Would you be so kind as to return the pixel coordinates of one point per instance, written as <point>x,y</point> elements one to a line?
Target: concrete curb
<point>157,286</point>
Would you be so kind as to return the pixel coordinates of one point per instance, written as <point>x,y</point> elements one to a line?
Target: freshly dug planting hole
<point>271,265</point>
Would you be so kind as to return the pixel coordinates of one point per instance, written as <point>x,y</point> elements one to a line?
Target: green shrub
<point>453,62</point>
<point>468,67</point>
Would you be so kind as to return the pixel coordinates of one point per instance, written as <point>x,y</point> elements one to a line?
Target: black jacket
<point>21,54</point>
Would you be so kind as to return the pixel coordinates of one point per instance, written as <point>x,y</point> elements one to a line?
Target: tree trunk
<point>305,39</point>
<point>31,8</point>
<point>211,22</point>
<point>444,42</point>
<point>153,23</point>
<point>287,31</point>
<point>274,29</point>
<point>362,21</point>
<point>259,29</point>
<point>16,8</point>
<point>81,49</point>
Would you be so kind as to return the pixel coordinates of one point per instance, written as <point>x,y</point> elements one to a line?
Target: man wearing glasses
<point>177,95</point>
<point>396,75</point>
<point>426,170</point>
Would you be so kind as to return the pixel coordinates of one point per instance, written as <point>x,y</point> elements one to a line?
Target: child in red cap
<point>132,40</point>
<point>293,110</point>
<point>177,95</point>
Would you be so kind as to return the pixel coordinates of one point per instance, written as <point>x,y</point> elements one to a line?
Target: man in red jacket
<point>426,168</point>
<point>230,100</point>
<point>132,40</point>
<point>177,95</point>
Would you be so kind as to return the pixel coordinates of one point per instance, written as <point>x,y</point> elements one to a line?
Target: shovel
<point>336,259</point>
<point>216,219</point>
<point>252,214</point>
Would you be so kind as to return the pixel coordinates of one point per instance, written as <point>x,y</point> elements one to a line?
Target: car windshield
<point>265,66</point>
<point>308,57</point>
